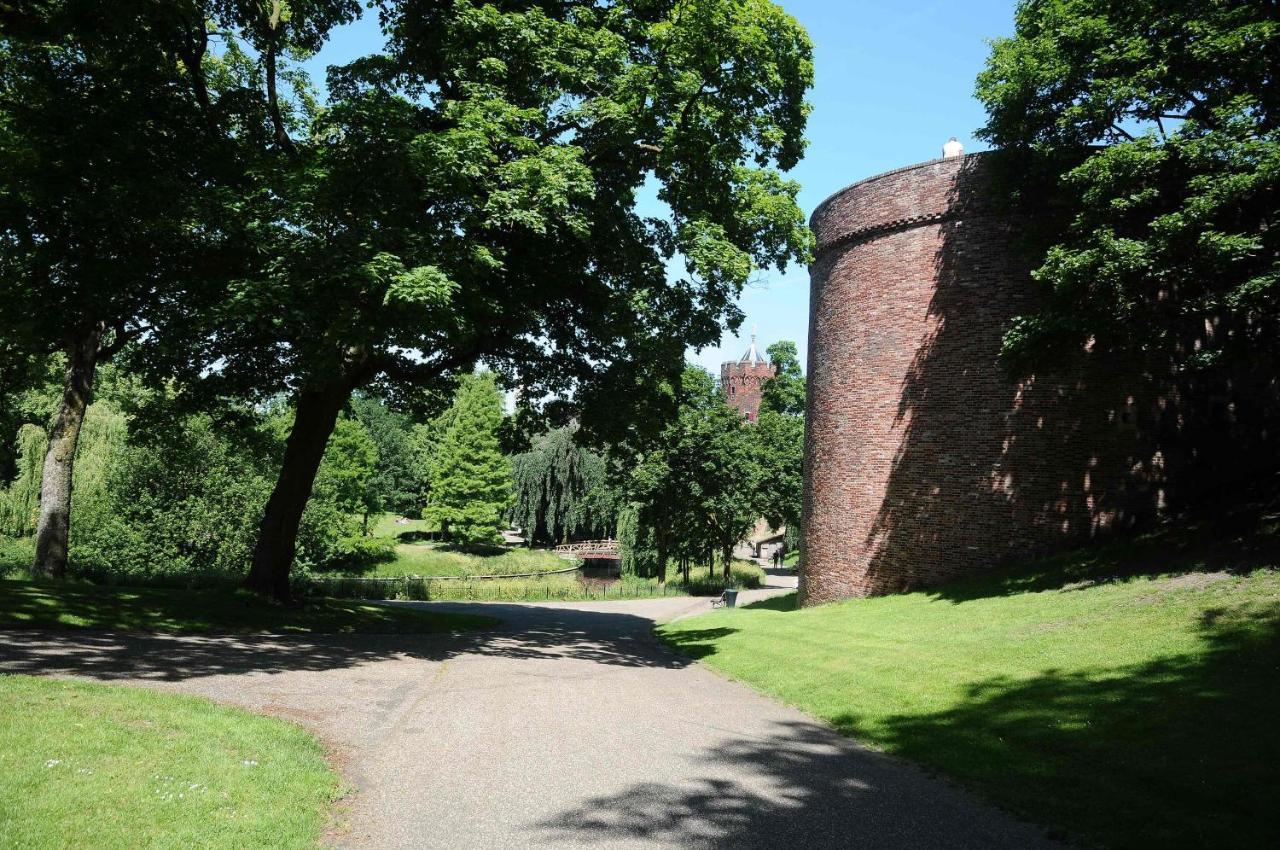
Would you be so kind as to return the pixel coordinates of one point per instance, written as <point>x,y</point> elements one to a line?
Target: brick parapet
<point>925,193</point>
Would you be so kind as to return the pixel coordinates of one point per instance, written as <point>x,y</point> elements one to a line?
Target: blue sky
<point>894,81</point>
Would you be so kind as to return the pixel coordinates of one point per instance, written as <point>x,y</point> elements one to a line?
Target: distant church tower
<point>742,380</point>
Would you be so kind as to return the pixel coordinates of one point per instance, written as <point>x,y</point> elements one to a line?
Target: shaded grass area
<point>62,605</point>
<point>87,765</point>
<point>1124,695</point>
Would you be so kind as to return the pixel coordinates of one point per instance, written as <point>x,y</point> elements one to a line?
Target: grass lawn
<point>1124,695</point>
<point>25,604</point>
<point>87,765</point>
<point>538,588</point>
<point>386,525</point>
<point>433,559</point>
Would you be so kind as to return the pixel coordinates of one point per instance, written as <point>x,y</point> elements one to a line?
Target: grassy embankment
<point>72,604</point>
<point>1124,695</point>
<point>417,557</point>
<point>87,765</point>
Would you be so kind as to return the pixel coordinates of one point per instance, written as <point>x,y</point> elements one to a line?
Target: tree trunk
<point>314,420</point>
<point>728,560</point>
<point>54,526</point>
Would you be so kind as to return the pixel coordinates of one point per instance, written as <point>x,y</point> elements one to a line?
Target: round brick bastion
<point>925,460</point>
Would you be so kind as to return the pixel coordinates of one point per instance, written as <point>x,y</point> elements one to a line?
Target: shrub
<point>179,509</point>
<point>16,555</point>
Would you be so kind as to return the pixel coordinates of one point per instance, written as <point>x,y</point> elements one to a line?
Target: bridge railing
<point>594,547</point>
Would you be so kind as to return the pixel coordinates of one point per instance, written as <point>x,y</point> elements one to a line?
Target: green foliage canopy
<point>395,483</point>
<point>778,440</point>
<point>470,195</point>
<point>1160,123</point>
<point>785,392</point>
<point>560,491</point>
<point>691,486</point>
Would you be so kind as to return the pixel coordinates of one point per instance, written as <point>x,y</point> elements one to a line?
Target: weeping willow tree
<point>560,491</point>
<point>20,501</point>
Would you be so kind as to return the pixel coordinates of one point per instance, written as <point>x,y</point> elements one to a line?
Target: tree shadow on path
<point>801,785</point>
<point>526,632</point>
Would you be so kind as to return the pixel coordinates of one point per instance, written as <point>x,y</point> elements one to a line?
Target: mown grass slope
<point>87,765</point>
<point>1124,695</point>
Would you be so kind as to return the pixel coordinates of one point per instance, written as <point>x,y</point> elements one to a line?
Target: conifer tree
<point>470,477</point>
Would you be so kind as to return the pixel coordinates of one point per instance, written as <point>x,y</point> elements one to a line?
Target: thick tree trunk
<point>53,529</point>
<point>314,420</point>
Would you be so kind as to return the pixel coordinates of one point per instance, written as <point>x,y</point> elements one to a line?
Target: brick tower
<point>924,459</point>
<point>742,380</point>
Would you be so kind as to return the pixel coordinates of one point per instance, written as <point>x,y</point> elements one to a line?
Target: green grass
<point>540,588</point>
<point>16,555</point>
<point>385,525</point>
<point>1124,695</point>
<point>434,559</point>
<point>63,605</point>
<point>87,765</point>
<point>551,587</point>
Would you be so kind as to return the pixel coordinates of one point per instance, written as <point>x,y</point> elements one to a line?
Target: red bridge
<point>594,549</point>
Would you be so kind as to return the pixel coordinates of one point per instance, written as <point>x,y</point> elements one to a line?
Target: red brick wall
<point>924,459</point>
<point>742,383</point>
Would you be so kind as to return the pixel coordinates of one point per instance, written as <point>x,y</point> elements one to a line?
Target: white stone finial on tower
<point>952,149</point>
<point>752,355</point>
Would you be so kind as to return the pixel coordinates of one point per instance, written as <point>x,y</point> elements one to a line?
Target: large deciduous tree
<point>112,166</point>
<point>1158,124</point>
<point>475,194</point>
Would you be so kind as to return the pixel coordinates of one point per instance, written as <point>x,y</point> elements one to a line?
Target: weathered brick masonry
<point>924,460</point>
<point>742,382</point>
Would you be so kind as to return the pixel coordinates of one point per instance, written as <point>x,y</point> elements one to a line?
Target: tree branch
<point>121,336</point>
<point>195,45</point>
<point>273,101</point>
<point>1116,128</point>
<point>274,21</point>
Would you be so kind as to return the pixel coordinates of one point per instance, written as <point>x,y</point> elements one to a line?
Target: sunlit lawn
<point>1125,696</point>
<point>390,525</point>
<point>87,765</point>
<point>417,556</point>
<point>435,559</point>
<point>25,604</point>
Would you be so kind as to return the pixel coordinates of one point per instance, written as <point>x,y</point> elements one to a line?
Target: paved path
<point>568,726</point>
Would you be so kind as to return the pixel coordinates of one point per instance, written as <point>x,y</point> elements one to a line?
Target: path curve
<point>570,725</point>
